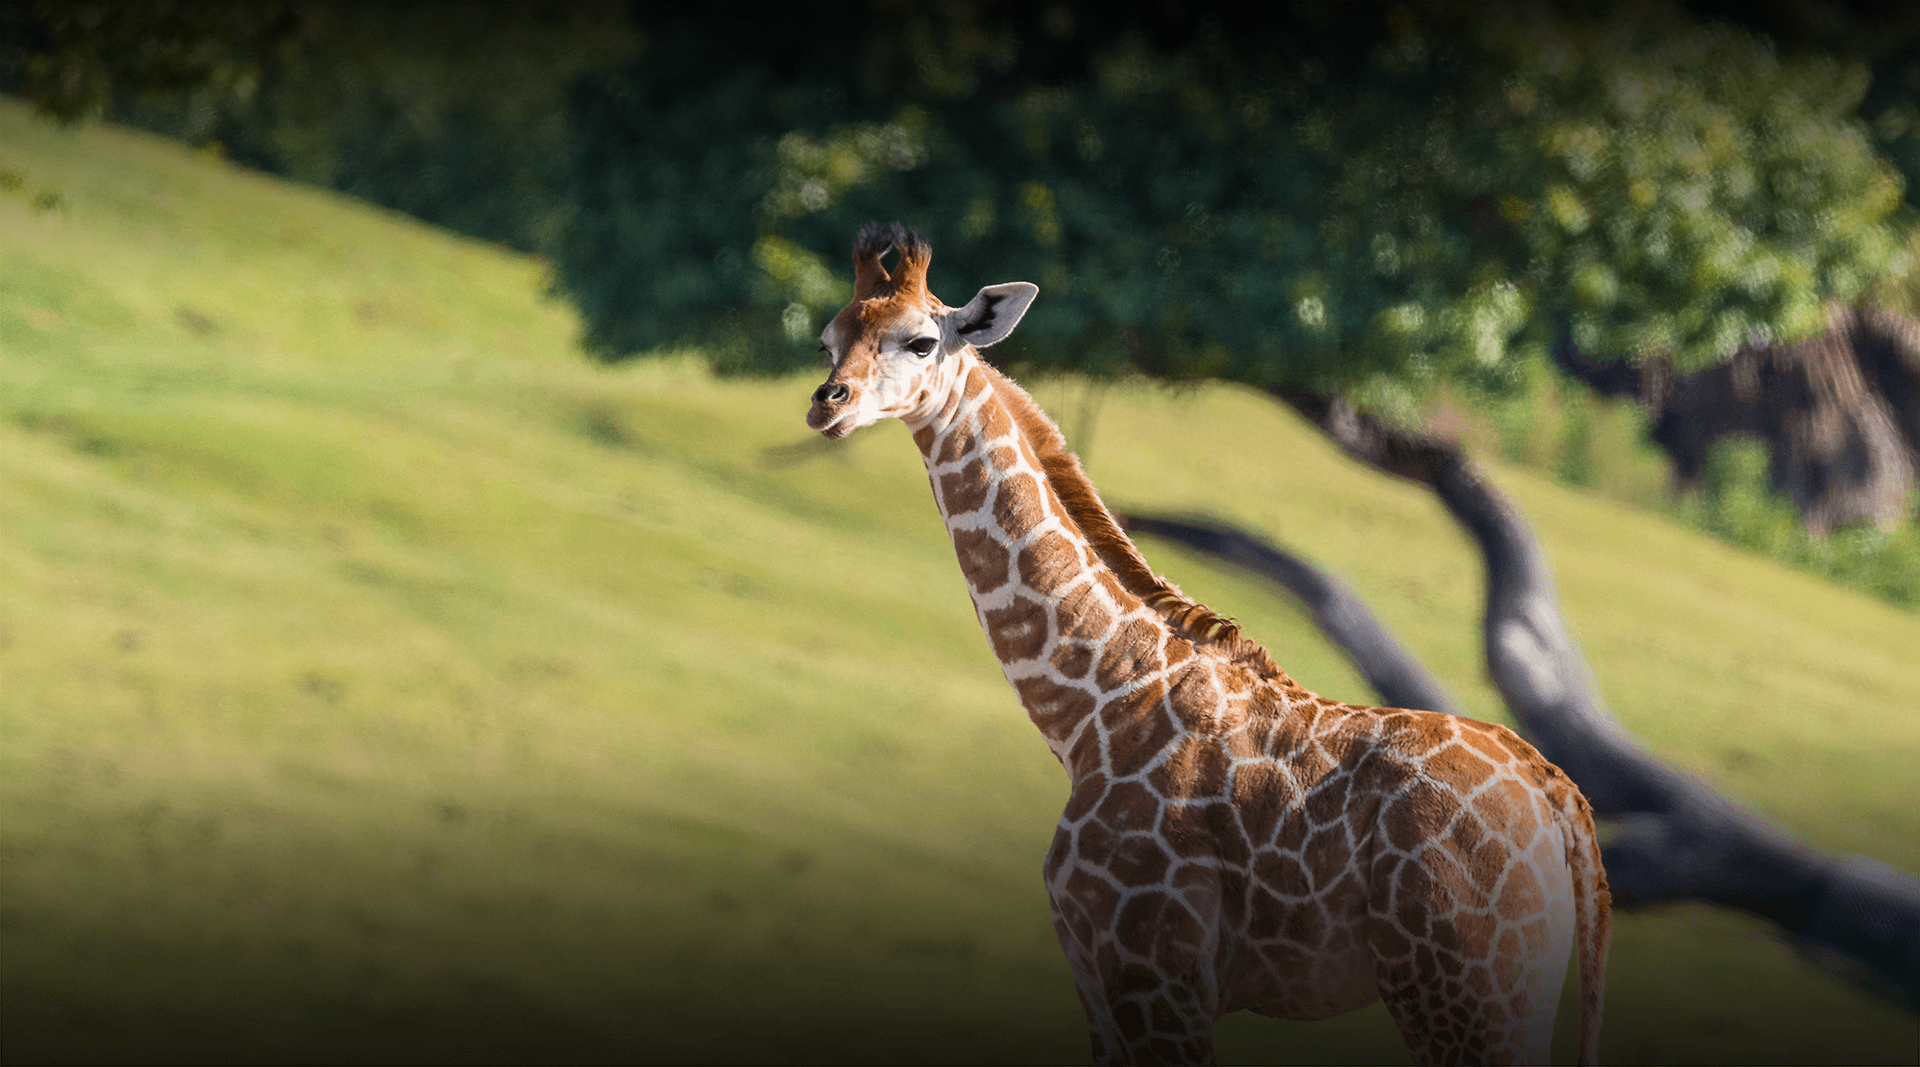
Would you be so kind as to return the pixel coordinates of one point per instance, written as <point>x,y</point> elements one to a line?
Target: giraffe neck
<point>1049,603</point>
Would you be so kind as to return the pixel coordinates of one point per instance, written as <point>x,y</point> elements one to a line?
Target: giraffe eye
<point>922,346</point>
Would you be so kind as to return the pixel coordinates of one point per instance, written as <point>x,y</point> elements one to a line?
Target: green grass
<point>381,680</point>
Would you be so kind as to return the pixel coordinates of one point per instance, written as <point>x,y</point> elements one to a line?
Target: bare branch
<point>1389,668</point>
<point>1676,838</point>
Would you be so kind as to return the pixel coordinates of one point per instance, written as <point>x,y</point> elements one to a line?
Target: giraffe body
<point>1231,840</point>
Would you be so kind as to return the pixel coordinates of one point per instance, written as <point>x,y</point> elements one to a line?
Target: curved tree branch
<point>1393,671</point>
<point>1675,837</point>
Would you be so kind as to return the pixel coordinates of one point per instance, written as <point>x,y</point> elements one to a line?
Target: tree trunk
<point>1675,838</point>
<point>1839,412</point>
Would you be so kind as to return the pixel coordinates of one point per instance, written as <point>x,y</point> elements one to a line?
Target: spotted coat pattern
<point>1232,840</point>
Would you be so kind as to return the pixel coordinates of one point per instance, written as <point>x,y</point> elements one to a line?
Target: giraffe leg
<point>1164,1026</point>
<point>1137,1016</point>
<point>1465,984</point>
<point>1169,1023</point>
<point>1102,1032</point>
<point>1548,936</point>
<point>1451,1011</point>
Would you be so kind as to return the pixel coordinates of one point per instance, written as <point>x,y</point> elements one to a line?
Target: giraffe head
<point>897,350</point>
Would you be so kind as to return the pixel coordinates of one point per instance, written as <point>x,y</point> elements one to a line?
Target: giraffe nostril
<point>834,391</point>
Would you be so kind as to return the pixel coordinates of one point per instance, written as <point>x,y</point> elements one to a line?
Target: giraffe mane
<point>1189,619</point>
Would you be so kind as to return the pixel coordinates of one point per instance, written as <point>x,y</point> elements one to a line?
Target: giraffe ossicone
<point>1231,840</point>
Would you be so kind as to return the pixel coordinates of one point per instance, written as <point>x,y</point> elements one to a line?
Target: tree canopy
<point>1327,198</point>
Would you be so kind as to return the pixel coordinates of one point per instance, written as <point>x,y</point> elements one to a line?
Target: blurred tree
<point>73,59</point>
<point>1884,37</point>
<point>1333,196</point>
<point>1363,199</point>
<point>455,114</point>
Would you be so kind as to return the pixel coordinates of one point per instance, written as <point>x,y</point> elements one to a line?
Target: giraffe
<point>1231,840</point>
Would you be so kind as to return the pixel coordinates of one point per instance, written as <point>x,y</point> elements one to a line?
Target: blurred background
<point>429,633</point>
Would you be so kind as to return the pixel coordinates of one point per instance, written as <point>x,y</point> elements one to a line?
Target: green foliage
<point>74,58</point>
<point>1365,197</point>
<point>1884,37</point>
<point>1412,195</point>
<point>455,115</point>
<point>1706,192</point>
<point>1555,425</point>
<point>1899,290</point>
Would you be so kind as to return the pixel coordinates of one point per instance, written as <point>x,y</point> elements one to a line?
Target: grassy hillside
<point>382,681</point>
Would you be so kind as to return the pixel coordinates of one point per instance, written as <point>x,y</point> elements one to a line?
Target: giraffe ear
<point>991,315</point>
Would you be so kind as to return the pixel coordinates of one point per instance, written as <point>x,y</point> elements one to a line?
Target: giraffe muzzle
<point>831,405</point>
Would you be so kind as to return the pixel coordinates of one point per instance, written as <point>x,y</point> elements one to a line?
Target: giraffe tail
<point>1592,918</point>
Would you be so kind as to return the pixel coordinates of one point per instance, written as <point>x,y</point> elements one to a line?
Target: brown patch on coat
<point>1129,807</point>
<point>1017,497</point>
<point>1131,652</point>
<point>1483,855</point>
<point>1071,659</point>
<point>1141,919</point>
<point>1082,504</point>
<point>1139,860</point>
<point>1509,961</point>
<point>1418,733</point>
<point>947,411</point>
<point>1177,938</point>
<point>1083,613</point>
<point>1086,758</point>
<point>1283,873</point>
<point>1138,729</point>
<point>1054,708</point>
<point>1309,764</point>
<point>1327,803</point>
<point>1457,766</point>
<point>1095,896</point>
<point>1326,855</point>
<point>1412,818</point>
<point>1090,786</point>
<point>1485,739</point>
<point>1521,895</point>
<point>1048,561</point>
<point>965,490</point>
<point>1191,830</point>
<point>1515,815</point>
<point>1058,854</point>
<point>953,447</point>
<point>995,423</point>
<point>1019,630</point>
<point>1292,832</point>
<point>1197,692</point>
<point>1262,796</point>
<point>983,560</point>
<point>1198,768</point>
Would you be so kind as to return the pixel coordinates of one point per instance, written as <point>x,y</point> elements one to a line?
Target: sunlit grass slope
<point>381,680</point>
